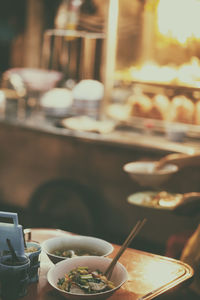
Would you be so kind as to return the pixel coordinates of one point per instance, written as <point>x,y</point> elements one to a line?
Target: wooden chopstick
<point>126,243</point>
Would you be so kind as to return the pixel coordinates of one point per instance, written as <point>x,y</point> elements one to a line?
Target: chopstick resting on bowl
<point>125,245</point>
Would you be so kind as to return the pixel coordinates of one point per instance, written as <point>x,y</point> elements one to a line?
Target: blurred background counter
<point>73,179</point>
<point>56,177</point>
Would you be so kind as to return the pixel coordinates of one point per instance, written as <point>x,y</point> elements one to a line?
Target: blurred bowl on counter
<point>61,248</point>
<point>87,96</point>
<point>40,80</point>
<point>57,102</point>
<point>144,173</point>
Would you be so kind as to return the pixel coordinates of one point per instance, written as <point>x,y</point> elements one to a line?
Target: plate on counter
<point>86,123</point>
<point>157,200</point>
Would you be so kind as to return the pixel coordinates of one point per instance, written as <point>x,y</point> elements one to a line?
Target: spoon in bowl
<point>155,173</point>
<point>15,259</point>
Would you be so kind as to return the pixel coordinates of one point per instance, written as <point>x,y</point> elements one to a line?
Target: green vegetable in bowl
<point>83,281</point>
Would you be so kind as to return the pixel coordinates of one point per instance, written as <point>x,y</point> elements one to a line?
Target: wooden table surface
<point>149,275</point>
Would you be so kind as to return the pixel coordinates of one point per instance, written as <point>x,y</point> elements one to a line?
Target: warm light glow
<point>187,74</point>
<point>151,71</point>
<point>179,19</point>
<point>176,27</point>
<point>154,274</point>
<point>167,273</point>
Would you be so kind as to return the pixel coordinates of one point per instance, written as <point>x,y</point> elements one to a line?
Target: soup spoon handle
<point>126,243</point>
<point>191,195</point>
<point>178,159</point>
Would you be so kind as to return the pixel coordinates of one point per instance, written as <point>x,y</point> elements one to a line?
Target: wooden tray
<point>150,275</point>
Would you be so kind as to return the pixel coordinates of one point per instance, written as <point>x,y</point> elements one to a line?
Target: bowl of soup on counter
<point>82,278</point>
<point>61,248</point>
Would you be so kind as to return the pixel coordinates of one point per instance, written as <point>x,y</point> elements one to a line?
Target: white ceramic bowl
<point>143,172</point>
<point>103,248</point>
<point>119,275</point>
<point>35,79</point>
<point>57,102</point>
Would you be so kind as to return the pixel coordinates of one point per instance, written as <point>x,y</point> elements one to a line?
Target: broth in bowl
<point>64,252</point>
<point>70,246</point>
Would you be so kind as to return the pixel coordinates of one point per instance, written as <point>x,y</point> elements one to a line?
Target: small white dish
<point>161,200</point>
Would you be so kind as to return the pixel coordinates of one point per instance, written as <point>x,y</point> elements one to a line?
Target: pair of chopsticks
<point>125,245</point>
